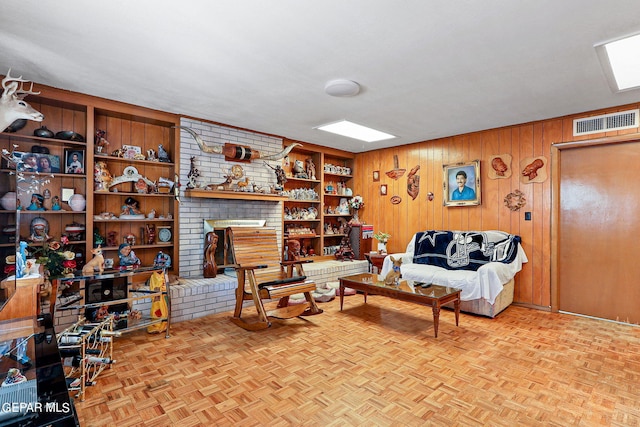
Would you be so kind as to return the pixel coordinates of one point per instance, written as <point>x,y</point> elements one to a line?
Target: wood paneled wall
<point>521,141</point>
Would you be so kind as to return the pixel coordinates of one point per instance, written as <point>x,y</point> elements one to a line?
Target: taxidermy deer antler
<point>236,152</point>
<point>12,104</point>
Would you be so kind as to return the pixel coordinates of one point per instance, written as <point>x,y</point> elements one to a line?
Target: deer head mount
<point>236,152</point>
<point>12,104</point>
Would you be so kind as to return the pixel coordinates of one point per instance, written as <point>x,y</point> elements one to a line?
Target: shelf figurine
<point>131,209</point>
<point>163,156</point>
<point>96,263</point>
<point>162,260</point>
<point>127,257</point>
<point>55,203</point>
<point>37,203</point>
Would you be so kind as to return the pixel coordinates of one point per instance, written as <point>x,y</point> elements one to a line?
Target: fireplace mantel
<point>234,195</point>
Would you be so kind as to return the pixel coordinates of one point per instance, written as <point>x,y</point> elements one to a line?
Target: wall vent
<point>606,122</point>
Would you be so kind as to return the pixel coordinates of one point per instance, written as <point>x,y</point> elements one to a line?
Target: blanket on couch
<point>458,250</point>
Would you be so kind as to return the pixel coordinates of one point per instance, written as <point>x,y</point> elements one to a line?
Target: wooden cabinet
<point>128,129</point>
<point>136,174</point>
<point>43,181</point>
<point>319,232</point>
<point>302,210</point>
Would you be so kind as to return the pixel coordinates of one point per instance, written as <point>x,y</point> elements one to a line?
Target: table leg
<point>341,294</point>
<point>456,305</point>
<point>436,316</point>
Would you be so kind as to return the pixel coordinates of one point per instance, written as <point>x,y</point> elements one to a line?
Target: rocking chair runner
<point>261,275</point>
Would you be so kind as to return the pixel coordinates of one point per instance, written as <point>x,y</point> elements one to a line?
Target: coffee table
<point>406,290</point>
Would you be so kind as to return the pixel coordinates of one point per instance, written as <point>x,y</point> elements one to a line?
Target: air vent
<point>606,123</point>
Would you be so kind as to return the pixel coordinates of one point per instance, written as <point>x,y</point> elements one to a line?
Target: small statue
<point>101,176</point>
<point>209,266</point>
<point>21,260</point>
<point>152,155</point>
<point>193,174</point>
<point>141,186</point>
<point>111,238</point>
<point>281,176</point>
<point>101,142</point>
<point>162,260</point>
<point>151,233</point>
<point>127,257</point>
<point>96,263</point>
<point>298,170</point>
<point>163,156</point>
<point>131,207</point>
<point>310,167</point>
<point>55,203</point>
<point>394,275</point>
<point>37,203</point>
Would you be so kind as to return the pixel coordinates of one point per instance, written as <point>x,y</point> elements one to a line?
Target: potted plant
<point>382,239</point>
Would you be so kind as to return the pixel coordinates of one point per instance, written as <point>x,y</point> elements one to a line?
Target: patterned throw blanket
<point>468,250</point>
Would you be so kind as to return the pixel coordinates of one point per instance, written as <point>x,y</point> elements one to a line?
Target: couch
<point>482,264</point>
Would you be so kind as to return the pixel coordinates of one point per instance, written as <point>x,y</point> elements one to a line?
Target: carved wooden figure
<point>209,266</point>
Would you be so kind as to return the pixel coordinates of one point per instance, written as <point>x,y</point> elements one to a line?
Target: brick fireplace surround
<point>194,296</point>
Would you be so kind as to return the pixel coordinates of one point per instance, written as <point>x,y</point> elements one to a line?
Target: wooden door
<point>599,231</point>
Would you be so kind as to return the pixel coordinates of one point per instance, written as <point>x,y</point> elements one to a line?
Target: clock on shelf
<point>164,233</point>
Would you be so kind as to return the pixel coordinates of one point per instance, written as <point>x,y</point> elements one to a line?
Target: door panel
<point>599,266</point>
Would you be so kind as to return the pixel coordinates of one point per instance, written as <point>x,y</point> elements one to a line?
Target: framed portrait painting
<point>73,161</point>
<point>462,184</point>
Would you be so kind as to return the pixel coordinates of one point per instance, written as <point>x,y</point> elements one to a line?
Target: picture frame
<point>469,181</point>
<point>74,161</point>
<point>376,176</point>
<point>383,189</point>
<point>35,162</point>
<point>66,194</point>
<point>131,151</point>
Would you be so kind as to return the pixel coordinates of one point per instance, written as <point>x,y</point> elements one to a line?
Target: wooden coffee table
<point>406,290</point>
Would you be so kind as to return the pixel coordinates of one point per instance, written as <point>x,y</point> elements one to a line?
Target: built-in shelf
<point>234,195</point>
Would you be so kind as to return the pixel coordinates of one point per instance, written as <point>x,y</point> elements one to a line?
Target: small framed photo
<point>67,193</point>
<point>462,184</point>
<point>131,151</point>
<point>383,189</point>
<point>73,161</point>
<point>376,176</point>
<point>48,163</point>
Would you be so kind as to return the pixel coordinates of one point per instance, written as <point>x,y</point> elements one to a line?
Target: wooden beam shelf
<point>234,195</point>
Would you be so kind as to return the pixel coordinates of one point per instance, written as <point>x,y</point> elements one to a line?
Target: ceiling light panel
<point>356,131</point>
<point>621,61</point>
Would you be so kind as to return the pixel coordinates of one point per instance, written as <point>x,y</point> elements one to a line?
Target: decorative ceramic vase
<point>382,248</point>
<point>356,219</point>
<point>77,203</point>
<point>8,201</point>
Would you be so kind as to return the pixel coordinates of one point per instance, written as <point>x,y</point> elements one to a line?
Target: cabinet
<point>136,173</point>
<point>40,182</point>
<point>337,172</point>
<point>302,217</point>
<point>312,213</point>
<point>134,135</point>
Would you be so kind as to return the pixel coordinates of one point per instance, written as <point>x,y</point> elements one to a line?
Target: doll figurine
<point>55,203</point>
<point>127,257</point>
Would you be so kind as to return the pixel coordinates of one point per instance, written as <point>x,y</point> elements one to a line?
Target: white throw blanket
<point>487,282</point>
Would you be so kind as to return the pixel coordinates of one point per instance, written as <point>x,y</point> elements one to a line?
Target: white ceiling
<point>427,68</point>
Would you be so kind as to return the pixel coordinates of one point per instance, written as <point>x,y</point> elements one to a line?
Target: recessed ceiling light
<point>621,62</point>
<point>356,131</point>
<point>342,87</point>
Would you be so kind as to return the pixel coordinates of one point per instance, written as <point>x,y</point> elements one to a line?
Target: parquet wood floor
<point>376,365</point>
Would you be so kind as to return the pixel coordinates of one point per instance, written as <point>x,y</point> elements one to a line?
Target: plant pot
<point>382,248</point>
